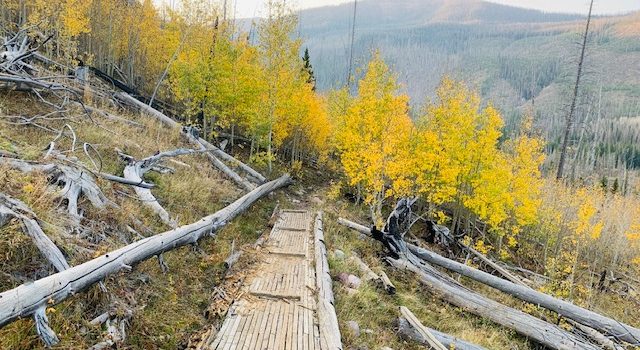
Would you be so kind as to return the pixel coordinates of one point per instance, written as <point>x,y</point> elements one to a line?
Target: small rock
<point>362,237</point>
<point>354,328</point>
<point>386,348</point>
<point>295,201</point>
<point>348,280</point>
<point>367,331</point>
<point>338,254</point>
<point>316,200</point>
<point>354,281</point>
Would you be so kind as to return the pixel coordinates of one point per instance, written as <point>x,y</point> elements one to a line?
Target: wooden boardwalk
<point>278,305</point>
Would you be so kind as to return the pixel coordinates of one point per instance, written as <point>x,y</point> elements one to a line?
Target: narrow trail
<point>277,307</point>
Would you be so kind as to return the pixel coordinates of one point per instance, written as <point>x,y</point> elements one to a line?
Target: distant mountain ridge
<point>406,13</point>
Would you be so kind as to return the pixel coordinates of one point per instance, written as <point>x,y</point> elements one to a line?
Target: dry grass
<point>168,308</point>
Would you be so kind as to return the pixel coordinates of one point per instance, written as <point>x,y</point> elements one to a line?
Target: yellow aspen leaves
<point>373,137</point>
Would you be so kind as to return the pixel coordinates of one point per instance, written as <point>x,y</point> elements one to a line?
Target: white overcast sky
<point>251,8</point>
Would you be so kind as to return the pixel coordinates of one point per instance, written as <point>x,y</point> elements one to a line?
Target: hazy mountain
<point>513,56</point>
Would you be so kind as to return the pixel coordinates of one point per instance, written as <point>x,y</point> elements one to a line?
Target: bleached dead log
<point>499,269</point>
<point>367,273</point>
<point>533,328</point>
<point>595,336</point>
<point>234,161</point>
<point>407,331</point>
<point>11,207</point>
<point>74,182</point>
<point>329,329</point>
<point>34,297</point>
<point>422,332</point>
<point>220,165</point>
<point>132,101</point>
<point>386,283</point>
<point>135,170</point>
<point>39,84</point>
<point>26,167</point>
<point>451,291</point>
<point>199,142</point>
<point>568,310</point>
<point>124,181</point>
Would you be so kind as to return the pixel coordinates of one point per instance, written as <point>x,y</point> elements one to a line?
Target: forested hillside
<point>441,154</point>
<point>513,56</point>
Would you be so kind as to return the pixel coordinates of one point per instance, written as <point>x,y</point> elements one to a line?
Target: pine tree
<point>308,68</point>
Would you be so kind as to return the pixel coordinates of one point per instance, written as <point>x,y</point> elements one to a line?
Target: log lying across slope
<point>451,291</point>
<point>201,144</point>
<point>568,310</point>
<point>32,298</point>
<point>11,207</point>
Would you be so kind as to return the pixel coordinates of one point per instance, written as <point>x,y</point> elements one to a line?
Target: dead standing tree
<point>572,109</point>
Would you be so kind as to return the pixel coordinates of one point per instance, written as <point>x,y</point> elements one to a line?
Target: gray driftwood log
<point>423,332</point>
<point>11,207</point>
<point>454,293</point>
<point>200,143</point>
<point>329,329</point>
<point>568,310</point>
<point>408,331</point>
<point>33,298</point>
<point>75,182</point>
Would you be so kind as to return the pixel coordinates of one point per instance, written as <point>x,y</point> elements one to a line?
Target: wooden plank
<point>263,334</point>
<point>234,339</point>
<point>249,327</point>
<point>230,332</point>
<point>255,331</point>
<point>221,332</point>
<point>281,331</point>
<point>274,326</point>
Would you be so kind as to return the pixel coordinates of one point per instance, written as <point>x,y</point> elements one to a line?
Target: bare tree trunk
<point>34,297</point>
<point>406,330</point>
<point>569,125</point>
<point>11,207</point>
<point>451,291</point>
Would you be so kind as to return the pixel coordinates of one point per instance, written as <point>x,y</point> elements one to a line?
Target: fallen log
<point>32,298</point>
<point>506,274</point>
<point>454,293</point>
<point>11,207</point>
<point>533,328</point>
<point>74,181</point>
<point>219,164</point>
<point>566,309</point>
<point>197,141</point>
<point>328,321</point>
<point>135,170</point>
<point>386,283</point>
<point>406,330</point>
<point>422,332</point>
<point>223,155</point>
<point>367,273</point>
